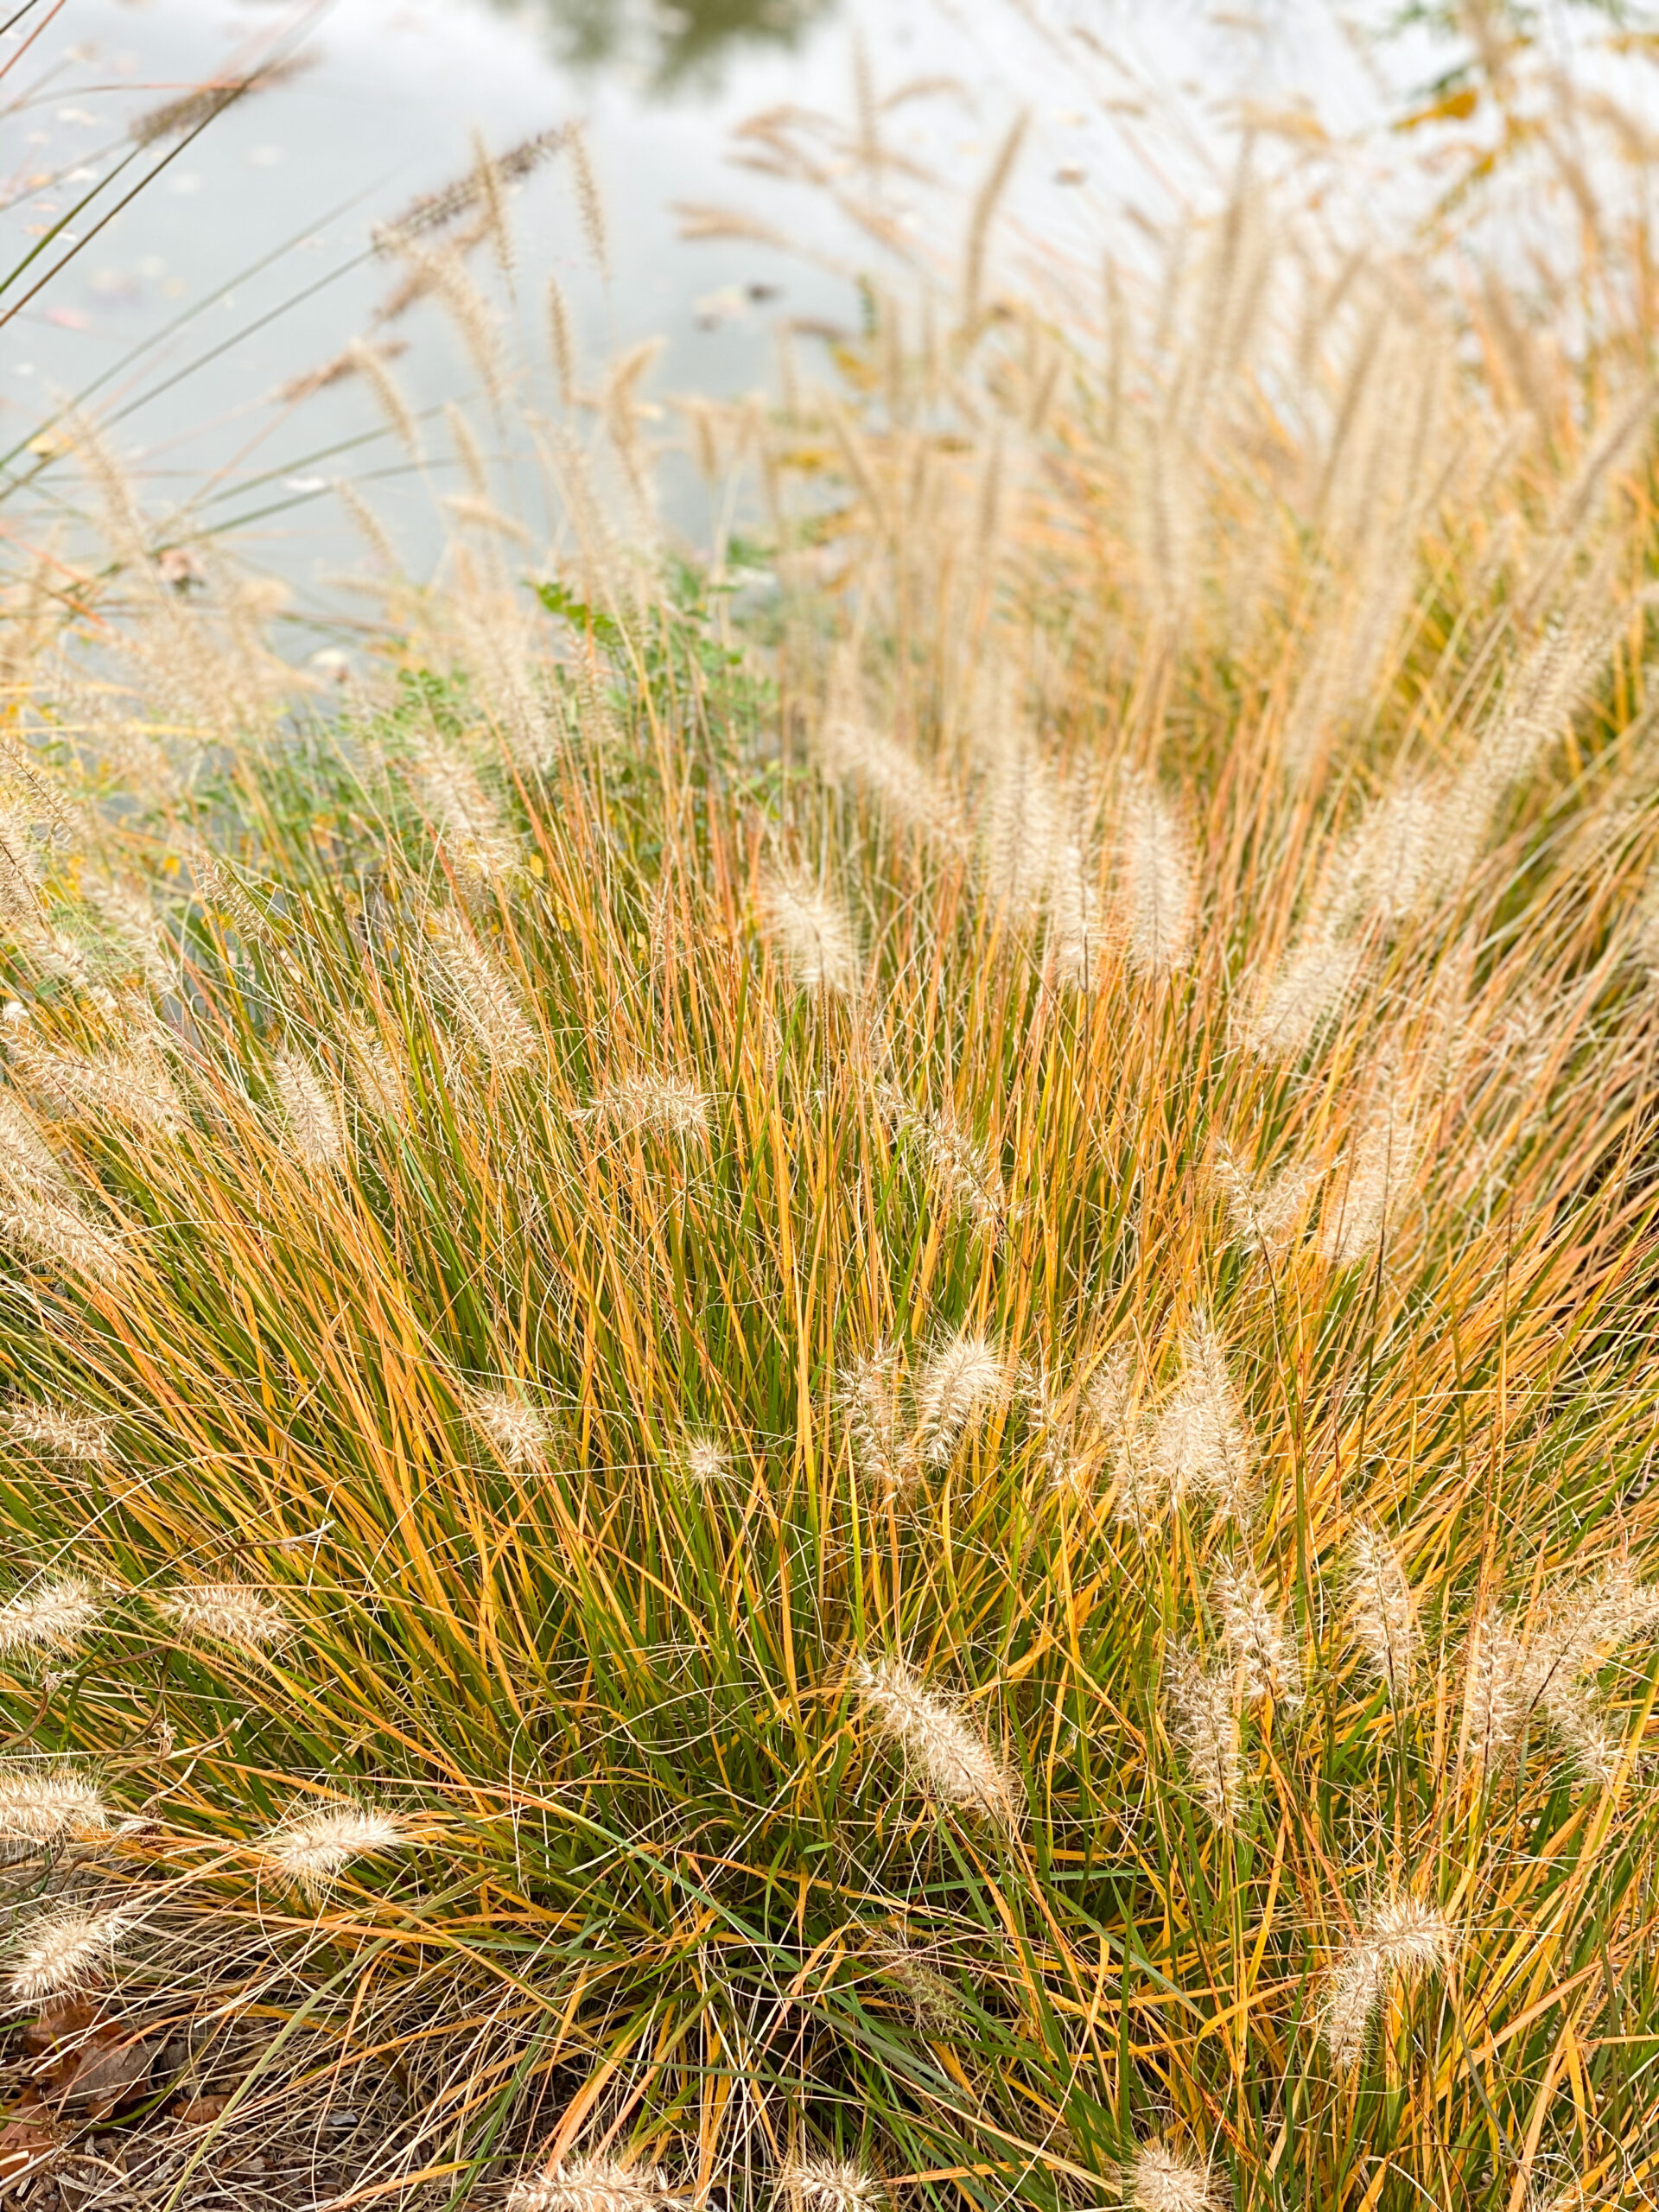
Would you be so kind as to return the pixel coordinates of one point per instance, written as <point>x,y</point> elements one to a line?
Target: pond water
<point>186,319</point>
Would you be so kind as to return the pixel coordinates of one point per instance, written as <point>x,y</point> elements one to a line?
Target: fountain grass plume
<point>64,1952</point>
<point>1038,1058</point>
<point>952,1761</point>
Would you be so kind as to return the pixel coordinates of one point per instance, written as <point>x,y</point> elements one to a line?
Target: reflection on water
<point>671,43</point>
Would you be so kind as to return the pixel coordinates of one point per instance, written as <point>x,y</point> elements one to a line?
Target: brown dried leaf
<point>109,2071</point>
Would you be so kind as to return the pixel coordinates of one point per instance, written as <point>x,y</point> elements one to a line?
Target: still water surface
<point>245,264</point>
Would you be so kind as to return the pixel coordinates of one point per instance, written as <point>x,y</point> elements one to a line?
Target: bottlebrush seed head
<point>63,1952</point>
<point>590,2185</point>
<point>830,2185</point>
<point>41,1805</point>
<point>50,1617</point>
<point>955,1764</point>
<point>311,1848</point>
<point>224,1612</point>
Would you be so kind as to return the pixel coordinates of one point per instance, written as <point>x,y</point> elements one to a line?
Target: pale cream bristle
<point>43,1804</point>
<point>1205,1729</point>
<point>1160,889</point>
<point>310,1113</point>
<point>371,365</point>
<point>482,995</point>
<point>1401,1941</point>
<point>814,934</point>
<point>1268,1662</point>
<point>1200,1446</point>
<point>885,1461</point>
<point>52,1616</point>
<point>311,1849</point>
<point>953,1763</point>
<point>1305,991</point>
<point>966,1377</point>
<point>591,2185</point>
<point>225,1612</point>
<point>657,1102</point>
<point>1159,2179</point>
<point>1382,1612</point>
<point>63,1953</point>
<point>828,2186</point>
<point>590,205</point>
<point>470,824</point>
<point>518,1430</point>
<point>81,1436</point>
<point>561,344</point>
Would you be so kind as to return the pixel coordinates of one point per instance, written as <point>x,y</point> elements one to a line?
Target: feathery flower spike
<point>63,1952</point>
<point>518,1430</point>
<point>1400,1941</point>
<point>43,1804</point>
<point>310,1114</point>
<point>482,995</point>
<point>814,933</point>
<point>828,2186</point>
<point>1199,1444</point>
<point>311,1848</point>
<point>84,1437</point>
<point>1382,1612</point>
<point>50,1617</point>
<point>954,1763</point>
<point>224,1612</point>
<point>1205,1730</point>
<point>663,1104</point>
<point>869,1393</point>
<point>1158,2179</point>
<point>965,1377</point>
<point>590,2185</point>
<point>1158,886</point>
<point>1265,1657</point>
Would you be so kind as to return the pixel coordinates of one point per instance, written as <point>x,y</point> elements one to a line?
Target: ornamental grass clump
<point>1042,1060</point>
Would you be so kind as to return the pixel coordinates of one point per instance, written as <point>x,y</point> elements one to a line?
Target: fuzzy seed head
<point>83,1437</point>
<point>965,1378</point>
<point>1199,1705</point>
<point>1160,2180</point>
<point>1159,883</point>
<point>309,1112</point>
<point>63,1953</point>
<point>1306,988</point>
<point>1381,1611</point>
<point>1267,1661</point>
<point>1266,1214</point>
<point>1401,1941</point>
<point>953,1762</point>
<point>60,1236</point>
<point>1494,1700</point>
<point>375,1073</point>
<point>869,1397</point>
<point>1200,1446</point>
<point>830,2185</point>
<point>52,1616</point>
<point>310,1850</point>
<point>590,2185</point>
<point>1368,1194</point>
<point>27,1162</point>
<point>41,1805</point>
<point>518,1432</point>
<point>814,934</point>
<point>225,1612</point>
<point>472,981</point>
<point>659,1104</point>
<point>468,823</point>
<point>706,1460</point>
